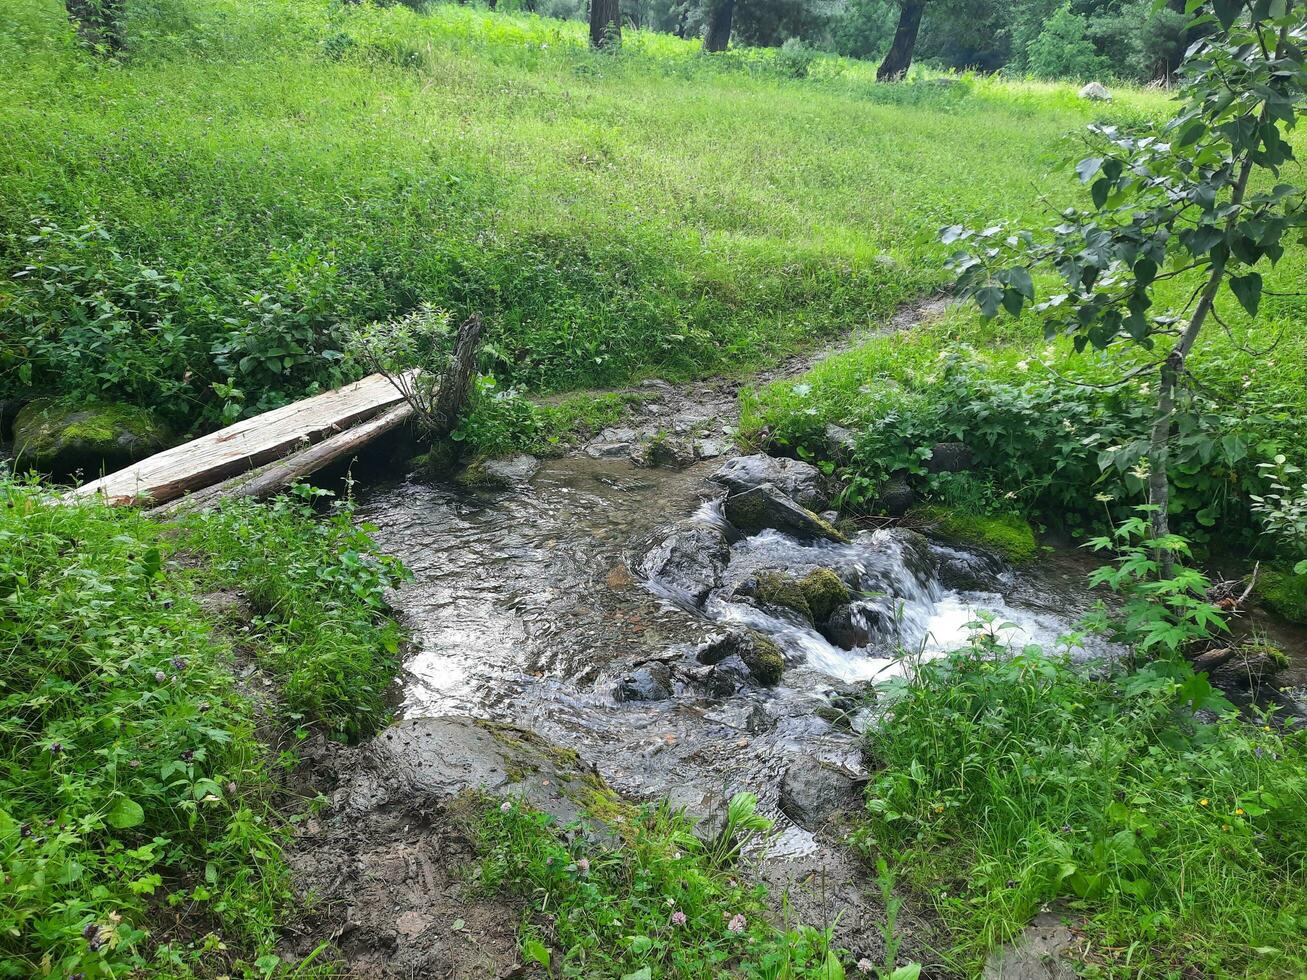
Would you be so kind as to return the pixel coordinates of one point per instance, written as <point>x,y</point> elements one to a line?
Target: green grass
<point>643,897</point>
<point>137,824</point>
<point>258,177</point>
<point>1012,782</point>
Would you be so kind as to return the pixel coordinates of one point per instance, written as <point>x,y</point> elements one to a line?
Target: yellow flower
<point>1203,801</point>
<point>939,809</point>
<point>1225,826</point>
<point>1238,811</point>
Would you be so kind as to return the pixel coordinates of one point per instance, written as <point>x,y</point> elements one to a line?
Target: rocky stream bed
<point>655,616</point>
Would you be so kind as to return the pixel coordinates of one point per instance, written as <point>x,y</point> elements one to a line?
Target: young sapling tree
<point>1201,199</point>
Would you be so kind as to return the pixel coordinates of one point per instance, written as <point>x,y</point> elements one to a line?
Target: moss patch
<point>58,435</point>
<point>763,658</point>
<point>1284,593</point>
<point>825,593</point>
<point>1008,534</point>
<point>774,589</point>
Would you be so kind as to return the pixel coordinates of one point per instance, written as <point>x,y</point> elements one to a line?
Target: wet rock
<point>502,472</point>
<point>813,791</point>
<point>949,457</point>
<point>652,682</point>
<point>1096,92</point>
<point>777,595</point>
<point>798,480</point>
<point>852,626</point>
<point>690,560</point>
<point>749,717</point>
<point>438,758</point>
<point>608,450</point>
<point>968,571</point>
<point>61,438</point>
<point>825,592</point>
<point>766,507</point>
<point>759,656</point>
<point>1037,954</point>
<point>674,454</point>
<point>895,496</point>
<point>723,678</point>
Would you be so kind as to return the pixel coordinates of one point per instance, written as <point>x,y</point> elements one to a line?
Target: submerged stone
<point>63,438</point>
<point>690,560</point>
<point>651,682</point>
<point>813,792</point>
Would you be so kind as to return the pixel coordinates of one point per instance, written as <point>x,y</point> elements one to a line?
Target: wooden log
<point>276,476</point>
<point>245,445</point>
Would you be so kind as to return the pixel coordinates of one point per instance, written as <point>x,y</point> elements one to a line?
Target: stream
<point>528,606</point>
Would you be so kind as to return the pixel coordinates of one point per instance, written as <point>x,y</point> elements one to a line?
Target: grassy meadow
<point>257,178</point>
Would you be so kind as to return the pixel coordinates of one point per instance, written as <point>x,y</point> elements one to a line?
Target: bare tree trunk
<point>899,57</point>
<point>605,24</point>
<point>718,35</point>
<point>457,378</point>
<point>99,22</point>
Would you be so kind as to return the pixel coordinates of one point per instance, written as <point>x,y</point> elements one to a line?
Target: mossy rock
<point>63,438</point>
<point>780,591</point>
<point>825,592</point>
<point>1009,535</point>
<point>763,657</point>
<point>1284,593</point>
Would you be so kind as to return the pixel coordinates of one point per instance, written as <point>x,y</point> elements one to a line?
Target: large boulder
<point>690,561</point>
<point>796,479</point>
<point>1096,92</point>
<point>99,437</point>
<point>855,625</point>
<point>766,507</point>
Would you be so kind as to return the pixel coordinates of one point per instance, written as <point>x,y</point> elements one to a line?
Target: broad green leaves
<point>125,814</point>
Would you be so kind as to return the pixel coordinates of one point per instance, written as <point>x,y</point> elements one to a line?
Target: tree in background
<point>1063,49</point>
<point>899,57</point>
<point>1179,200</point>
<point>605,24</point>
<point>717,33</point>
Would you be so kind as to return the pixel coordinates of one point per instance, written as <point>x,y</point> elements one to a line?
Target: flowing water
<point>524,608</point>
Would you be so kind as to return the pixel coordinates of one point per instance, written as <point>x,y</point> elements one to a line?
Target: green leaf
<point>1227,11</point>
<point>1192,133</point>
<point>1087,167</point>
<point>644,973</point>
<point>832,969</point>
<point>125,813</point>
<point>1248,290</point>
<point>910,972</point>
<point>536,951</point>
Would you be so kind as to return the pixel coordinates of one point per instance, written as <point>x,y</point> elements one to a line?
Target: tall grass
<point>289,169</point>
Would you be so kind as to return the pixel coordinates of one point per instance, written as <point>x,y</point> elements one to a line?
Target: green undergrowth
<point>1044,446</point>
<point>645,898</point>
<point>1284,592</point>
<point>200,225</point>
<point>1016,781</point>
<point>138,833</point>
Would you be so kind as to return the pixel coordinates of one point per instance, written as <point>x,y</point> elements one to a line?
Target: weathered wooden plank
<point>279,474</point>
<point>245,445</point>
